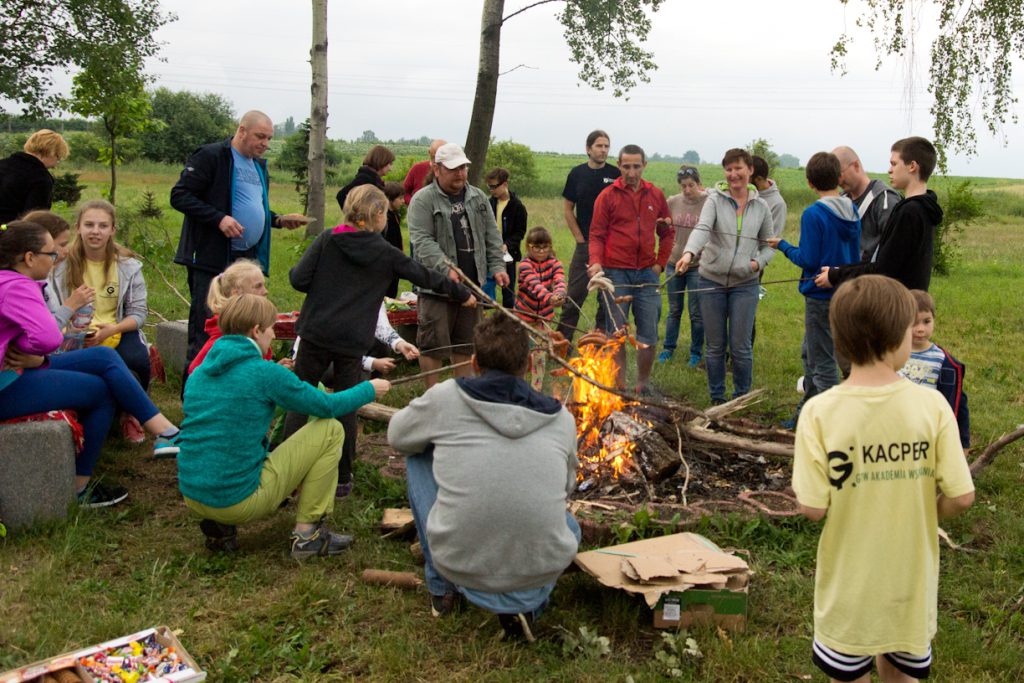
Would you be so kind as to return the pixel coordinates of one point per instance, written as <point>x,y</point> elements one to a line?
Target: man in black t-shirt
<point>584,183</point>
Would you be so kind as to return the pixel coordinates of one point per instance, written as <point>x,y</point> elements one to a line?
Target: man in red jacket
<point>631,237</point>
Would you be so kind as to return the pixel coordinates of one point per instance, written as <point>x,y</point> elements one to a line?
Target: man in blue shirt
<point>223,193</point>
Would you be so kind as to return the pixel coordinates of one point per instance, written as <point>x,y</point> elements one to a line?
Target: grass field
<point>259,616</point>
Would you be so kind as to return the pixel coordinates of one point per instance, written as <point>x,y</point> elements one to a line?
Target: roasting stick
<point>410,378</point>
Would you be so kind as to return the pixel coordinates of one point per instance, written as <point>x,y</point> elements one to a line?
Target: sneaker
<point>99,495</point>
<point>220,538</point>
<point>343,490</point>
<point>695,359</point>
<point>665,356</point>
<point>517,626</point>
<point>131,430</point>
<point>443,605</point>
<point>322,542</point>
<point>166,447</point>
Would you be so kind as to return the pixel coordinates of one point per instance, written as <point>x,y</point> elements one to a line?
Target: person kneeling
<point>224,471</point>
<point>490,465</point>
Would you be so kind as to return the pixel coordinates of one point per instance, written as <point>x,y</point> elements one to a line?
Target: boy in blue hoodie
<point>829,234</point>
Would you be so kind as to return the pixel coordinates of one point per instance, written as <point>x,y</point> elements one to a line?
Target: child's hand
<point>80,297</point>
<point>557,300</point>
<point>754,266</point>
<point>103,331</point>
<point>287,363</point>
<point>822,279</point>
<point>383,365</point>
<point>773,242</point>
<point>470,302</point>
<point>380,387</point>
<point>16,360</point>
<point>408,351</point>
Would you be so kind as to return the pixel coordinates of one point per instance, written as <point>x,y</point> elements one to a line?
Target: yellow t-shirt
<point>873,456</point>
<point>500,210</point>
<point>106,286</point>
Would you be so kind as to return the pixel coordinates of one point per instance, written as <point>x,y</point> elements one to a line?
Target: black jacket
<point>203,194</point>
<point>513,224</point>
<point>905,251</point>
<point>25,184</point>
<point>344,276</point>
<point>364,176</point>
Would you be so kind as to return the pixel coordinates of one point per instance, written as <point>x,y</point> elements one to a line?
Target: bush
<point>67,189</point>
<point>961,208</point>
<point>85,146</point>
<point>11,143</point>
<point>518,160</point>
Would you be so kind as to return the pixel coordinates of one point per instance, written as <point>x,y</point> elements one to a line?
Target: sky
<point>407,68</point>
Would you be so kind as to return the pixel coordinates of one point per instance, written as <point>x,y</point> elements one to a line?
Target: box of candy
<point>151,655</point>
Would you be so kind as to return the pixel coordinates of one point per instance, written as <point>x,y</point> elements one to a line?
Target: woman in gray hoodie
<point>730,239</point>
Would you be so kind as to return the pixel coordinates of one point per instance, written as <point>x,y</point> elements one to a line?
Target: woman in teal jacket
<point>224,469</point>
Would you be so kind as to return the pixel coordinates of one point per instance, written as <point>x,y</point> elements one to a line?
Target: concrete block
<point>37,472</point>
<point>172,343</point>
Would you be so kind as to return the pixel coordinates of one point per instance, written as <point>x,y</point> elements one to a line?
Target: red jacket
<point>624,224</point>
<point>213,330</point>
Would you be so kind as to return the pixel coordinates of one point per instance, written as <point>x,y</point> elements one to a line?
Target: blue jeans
<point>728,314</point>
<point>820,370</point>
<point>422,489</point>
<point>677,288</point>
<point>646,303</point>
<point>136,356</point>
<point>93,382</point>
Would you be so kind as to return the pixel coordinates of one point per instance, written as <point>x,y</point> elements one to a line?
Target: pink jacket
<point>25,320</point>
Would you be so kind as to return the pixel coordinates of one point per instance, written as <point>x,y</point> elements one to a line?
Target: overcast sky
<point>407,68</point>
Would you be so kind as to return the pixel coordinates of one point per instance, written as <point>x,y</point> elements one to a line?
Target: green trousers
<point>308,460</point>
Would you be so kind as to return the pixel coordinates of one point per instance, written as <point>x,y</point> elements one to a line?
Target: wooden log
<point>377,411</point>
<point>990,451</point>
<point>737,404</point>
<point>738,443</point>
<point>656,460</point>
<point>381,577</point>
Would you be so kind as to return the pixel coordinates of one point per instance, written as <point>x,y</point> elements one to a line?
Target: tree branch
<point>520,11</point>
<point>520,66</point>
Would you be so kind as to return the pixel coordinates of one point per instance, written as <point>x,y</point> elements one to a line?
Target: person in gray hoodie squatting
<point>490,463</point>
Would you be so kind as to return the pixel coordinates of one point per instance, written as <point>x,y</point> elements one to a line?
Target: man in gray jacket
<point>451,221</point>
<point>490,465</point>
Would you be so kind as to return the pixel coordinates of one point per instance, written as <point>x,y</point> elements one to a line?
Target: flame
<point>608,455</point>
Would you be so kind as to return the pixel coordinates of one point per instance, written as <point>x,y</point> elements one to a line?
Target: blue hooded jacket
<point>829,236</point>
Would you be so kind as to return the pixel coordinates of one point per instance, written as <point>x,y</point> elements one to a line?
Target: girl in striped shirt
<point>541,290</point>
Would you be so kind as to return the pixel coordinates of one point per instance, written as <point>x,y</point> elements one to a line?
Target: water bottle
<point>78,326</point>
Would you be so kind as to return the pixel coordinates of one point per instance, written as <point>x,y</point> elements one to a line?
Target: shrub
<point>85,146</point>
<point>518,159</point>
<point>67,189</point>
<point>961,208</point>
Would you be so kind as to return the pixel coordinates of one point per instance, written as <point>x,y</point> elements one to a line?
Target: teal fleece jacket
<point>229,404</point>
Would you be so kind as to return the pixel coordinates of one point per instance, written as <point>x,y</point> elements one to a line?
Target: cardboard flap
<point>647,569</point>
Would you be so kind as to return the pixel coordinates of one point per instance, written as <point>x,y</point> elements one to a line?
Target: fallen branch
<point>163,277</point>
<point>381,577</point>
<point>989,454</point>
<point>377,411</point>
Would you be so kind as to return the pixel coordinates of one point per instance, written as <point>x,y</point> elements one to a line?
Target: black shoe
<point>443,605</point>
<point>517,626</point>
<point>100,495</point>
<point>322,542</point>
<point>220,538</point>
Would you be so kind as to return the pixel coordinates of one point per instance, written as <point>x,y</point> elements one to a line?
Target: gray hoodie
<point>777,204</point>
<point>131,292</point>
<point>504,467</point>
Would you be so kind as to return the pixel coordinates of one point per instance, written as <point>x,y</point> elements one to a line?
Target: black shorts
<point>851,667</point>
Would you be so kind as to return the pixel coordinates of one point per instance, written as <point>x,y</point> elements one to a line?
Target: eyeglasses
<point>494,186</point>
<point>52,254</point>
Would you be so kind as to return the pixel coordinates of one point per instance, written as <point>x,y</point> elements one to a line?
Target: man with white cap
<point>450,220</point>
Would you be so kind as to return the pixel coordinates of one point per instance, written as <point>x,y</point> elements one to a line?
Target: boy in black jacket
<point>905,249</point>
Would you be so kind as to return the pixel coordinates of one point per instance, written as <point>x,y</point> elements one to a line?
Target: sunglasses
<point>494,186</point>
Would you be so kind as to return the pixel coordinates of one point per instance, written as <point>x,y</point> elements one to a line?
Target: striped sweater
<point>539,283</point>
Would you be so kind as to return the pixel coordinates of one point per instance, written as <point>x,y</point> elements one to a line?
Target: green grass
<point>261,617</point>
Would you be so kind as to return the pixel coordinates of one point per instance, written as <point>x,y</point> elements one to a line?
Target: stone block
<point>172,343</point>
<point>37,472</point>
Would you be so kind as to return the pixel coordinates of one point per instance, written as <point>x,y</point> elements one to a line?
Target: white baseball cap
<point>450,156</point>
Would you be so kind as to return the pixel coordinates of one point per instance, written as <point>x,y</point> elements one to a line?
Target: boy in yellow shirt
<point>869,454</point>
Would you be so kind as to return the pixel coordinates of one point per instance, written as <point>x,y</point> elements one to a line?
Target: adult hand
<point>470,302</point>
<point>504,248</point>
<point>502,279</point>
<point>593,269</point>
<point>290,221</point>
<point>754,266</point>
<point>683,264</point>
<point>773,242</point>
<point>380,387</point>
<point>452,275</point>
<point>230,227</point>
<point>822,279</point>
<point>408,351</point>
<point>656,269</point>
<point>383,365</point>
<point>664,220</point>
<point>103,331</point>
<point>16,360</point>
<point>288,363</point>
<point>80,297</point>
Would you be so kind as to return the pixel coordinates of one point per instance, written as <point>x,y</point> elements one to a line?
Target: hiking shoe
<point>695,359</point>
<point>443,605</point>
<point>220,538</point>
<point>517,626</point>
<point>322,542</point>
<point>166,447</point>
<point>99,495</point>
<point>665,356</point>
<point>131,430</point>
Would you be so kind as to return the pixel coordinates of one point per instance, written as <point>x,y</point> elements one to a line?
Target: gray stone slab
<point>172,343</point>
<point>37,472</point>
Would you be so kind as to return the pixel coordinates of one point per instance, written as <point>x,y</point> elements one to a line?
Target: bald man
<point>874,199</point>
<point>416,178</point>
<point>223,193</point>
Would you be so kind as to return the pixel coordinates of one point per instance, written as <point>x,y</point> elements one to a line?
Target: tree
<point>316,131</point>
<point>762,148</point>
<point>294,158</point>
<point>368,136</point>
<point>38,37</point>
<point>971,60</point>
<point>691,157</point>
<point>788,161</point>
<point>189,120</point>
<point>604,39</point>
<point>517,159</point>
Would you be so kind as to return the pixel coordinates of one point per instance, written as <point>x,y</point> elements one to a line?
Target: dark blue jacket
<point>203,194</point>
<point>827,238</point>
<point>951,384</point>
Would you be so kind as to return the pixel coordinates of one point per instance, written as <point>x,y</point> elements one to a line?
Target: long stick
<point>410,378</point>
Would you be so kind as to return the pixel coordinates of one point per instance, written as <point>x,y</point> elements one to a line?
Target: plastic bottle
<point>78,326</point>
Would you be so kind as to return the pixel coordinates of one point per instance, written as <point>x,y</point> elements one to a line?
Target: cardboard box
<point>685,578</point>
<point>69,660</point>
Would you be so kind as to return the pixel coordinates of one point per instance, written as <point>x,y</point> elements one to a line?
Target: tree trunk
<point>316,176</point>
<point>479,135</point>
